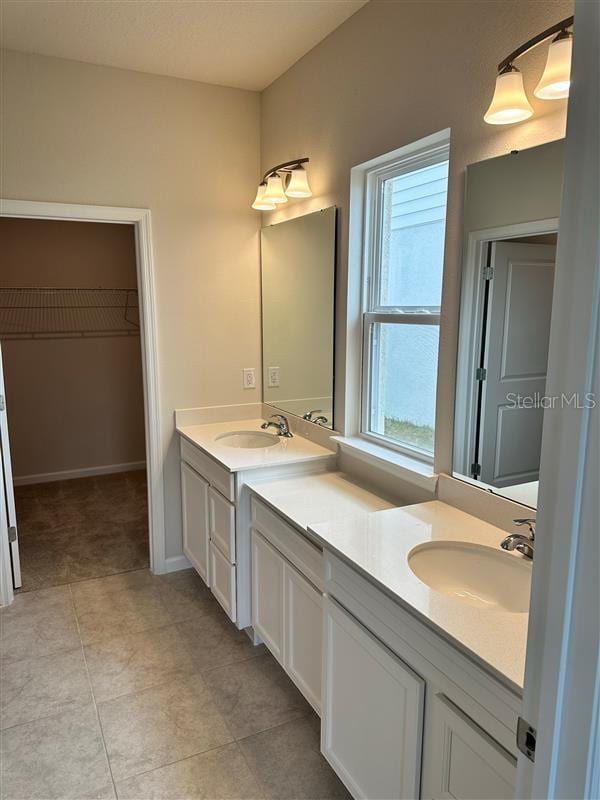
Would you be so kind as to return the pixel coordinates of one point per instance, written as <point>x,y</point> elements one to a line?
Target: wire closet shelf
<point>45,313</point>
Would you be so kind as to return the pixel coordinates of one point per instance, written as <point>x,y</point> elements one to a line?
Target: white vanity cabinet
<point>217,520</point>
<point>405,713</point>
<point>287,598</point>
<point>303,634</point>
<point>372,712</point>
<point>267,594</point>
<point>209,519</point>
<point>196,536</point>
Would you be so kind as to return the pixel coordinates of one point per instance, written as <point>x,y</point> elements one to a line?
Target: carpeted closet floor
<point>80,529</point>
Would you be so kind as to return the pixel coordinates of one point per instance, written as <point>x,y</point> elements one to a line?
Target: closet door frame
<point>141,221</point>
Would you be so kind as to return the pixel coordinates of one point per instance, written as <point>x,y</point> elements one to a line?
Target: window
<point>405,204</point>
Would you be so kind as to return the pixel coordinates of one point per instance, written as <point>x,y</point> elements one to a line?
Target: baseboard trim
<point>176,563</point>
<point>85,472</point>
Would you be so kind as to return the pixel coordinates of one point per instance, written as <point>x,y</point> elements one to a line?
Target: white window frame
<point>418,155</point>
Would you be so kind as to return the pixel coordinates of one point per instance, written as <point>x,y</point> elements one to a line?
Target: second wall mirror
<point>298,312</point>
<point>512,205</point>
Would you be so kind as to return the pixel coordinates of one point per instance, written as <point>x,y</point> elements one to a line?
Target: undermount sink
<point>248,439</point>
<point>474,574</point>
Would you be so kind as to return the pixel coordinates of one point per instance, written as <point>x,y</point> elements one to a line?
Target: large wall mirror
<point>298,291</point>
<point>512,205</point>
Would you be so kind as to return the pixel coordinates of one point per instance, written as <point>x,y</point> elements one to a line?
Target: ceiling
<point>242,43</point>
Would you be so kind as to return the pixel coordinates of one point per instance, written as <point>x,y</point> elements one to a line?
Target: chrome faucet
<point>283,428</point>
<point>308,416</point>
<point>320,420</point>
<point>520,542</point>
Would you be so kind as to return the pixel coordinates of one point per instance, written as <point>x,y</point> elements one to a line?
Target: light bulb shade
<point>509,103</point>
<point>274,192</point>
<point>260,204</point>
<point>298,185</point>
<point>556,79</point>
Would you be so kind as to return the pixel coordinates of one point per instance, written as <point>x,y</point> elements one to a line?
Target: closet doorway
<point>79,396</point>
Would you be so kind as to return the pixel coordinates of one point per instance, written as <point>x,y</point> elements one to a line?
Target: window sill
<point>401,466</point>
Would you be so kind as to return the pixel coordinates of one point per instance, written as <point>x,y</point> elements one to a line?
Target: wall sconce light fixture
<point>510,103</point>
<point>285,180</point>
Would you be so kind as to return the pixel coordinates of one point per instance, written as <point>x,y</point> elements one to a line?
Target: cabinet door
<point>222,524</point>
<point>222,581</point>
<point>302,634</point>
<point>461,760</point>
<point>372,724</point>
<point>194,502</point>
<point>267,593</point>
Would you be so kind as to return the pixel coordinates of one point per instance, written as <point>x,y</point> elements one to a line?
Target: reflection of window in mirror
<point>512,206</point>
<point>405,201</point>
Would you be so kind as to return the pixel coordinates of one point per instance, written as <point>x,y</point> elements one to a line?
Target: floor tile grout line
<point>168,680</point>
<point>218,666</point>
<point>89,677</point>
<point>44,717</point>
<point>4,663</point>
<point>253,771</point>
<point>80,581</point>
<point>302,715</point>
<point>232,743</point>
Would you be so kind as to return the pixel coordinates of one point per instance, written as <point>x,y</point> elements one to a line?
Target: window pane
<point>412,237</point>
<point>403,382</point>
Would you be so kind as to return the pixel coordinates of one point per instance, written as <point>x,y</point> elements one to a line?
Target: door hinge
<point>12,533</point>
<point>2,404</point>
<point>526,738</point>
<point>488,273</point>
<point>480,374</point>
<point>475,470</point>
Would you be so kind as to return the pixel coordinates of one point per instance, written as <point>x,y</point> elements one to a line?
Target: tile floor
<point>83,528</point>
<point>138,687</point>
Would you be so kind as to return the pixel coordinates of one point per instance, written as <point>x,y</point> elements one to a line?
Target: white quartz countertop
<point>377,545</point>
<point>286,451</point>
<point>310,499</point>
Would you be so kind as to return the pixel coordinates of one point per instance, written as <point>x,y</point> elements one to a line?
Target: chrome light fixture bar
<point>289,179</point>
<point>509,103</point>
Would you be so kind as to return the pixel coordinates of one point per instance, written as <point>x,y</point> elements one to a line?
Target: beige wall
<point>81,133</point>
<point>391,74</point>
<point>73,403</point>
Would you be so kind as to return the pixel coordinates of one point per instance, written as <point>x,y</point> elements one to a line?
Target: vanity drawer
<point>214,473</point>
<point>302,553</point>
<point>222,523</point>
<point>222,581</point>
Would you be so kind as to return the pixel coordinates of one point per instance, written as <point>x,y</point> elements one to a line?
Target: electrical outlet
<point>273,377</point>
<point>249,379</point>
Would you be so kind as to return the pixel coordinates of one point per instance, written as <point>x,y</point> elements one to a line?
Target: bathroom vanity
<point>404,627</point>
<point>430,677</point>
<point>216,462</point>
